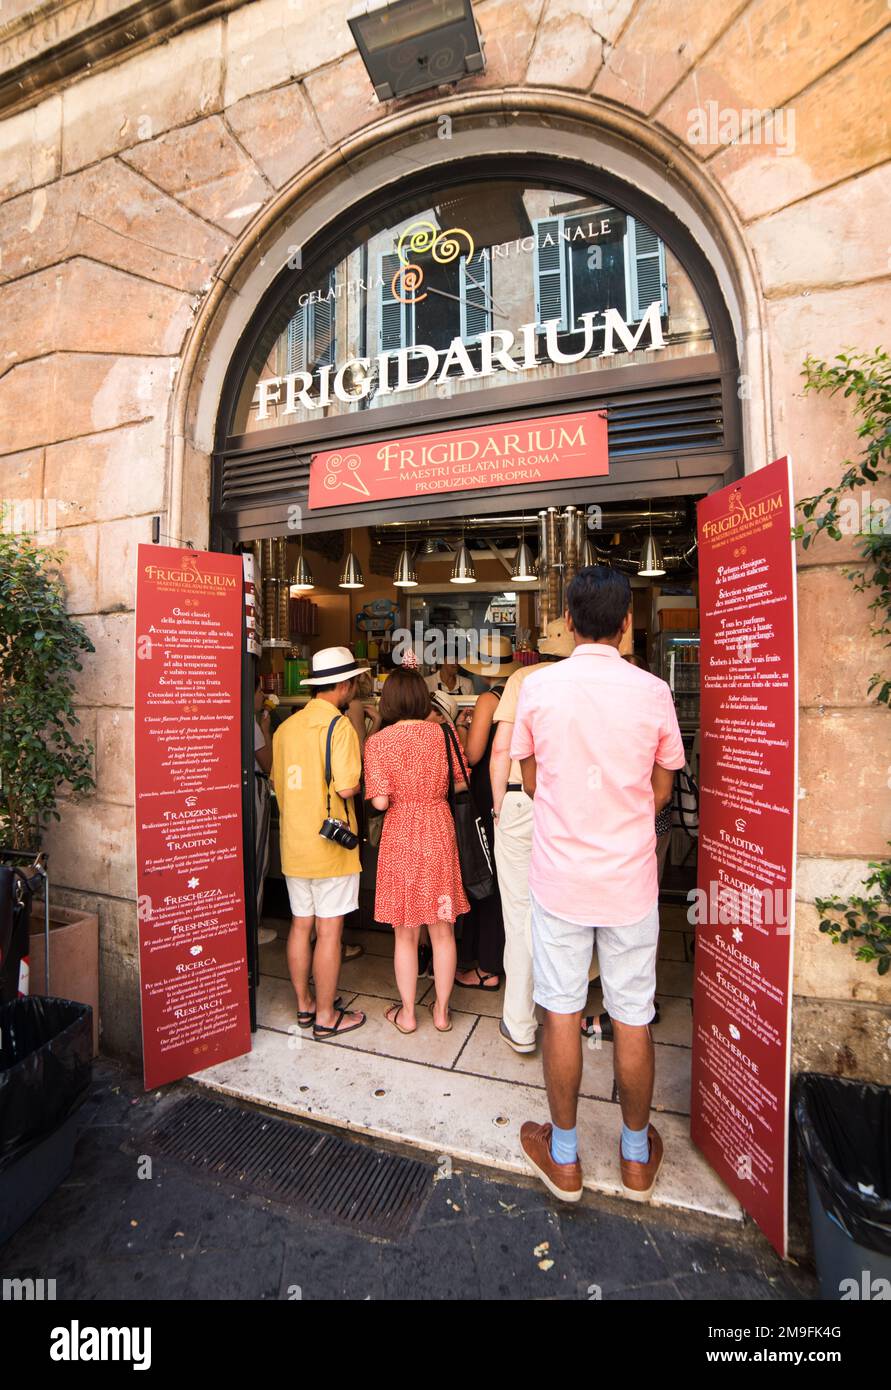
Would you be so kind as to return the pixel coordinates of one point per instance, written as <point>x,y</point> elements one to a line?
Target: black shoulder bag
<point>341,832</point>
<point>473,846</point>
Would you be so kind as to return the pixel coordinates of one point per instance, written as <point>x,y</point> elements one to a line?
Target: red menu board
<point>747,828</point>
<point>189,872</point>
<point>506,455</point>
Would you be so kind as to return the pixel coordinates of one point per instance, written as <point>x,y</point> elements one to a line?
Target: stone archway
<point>548,124</point>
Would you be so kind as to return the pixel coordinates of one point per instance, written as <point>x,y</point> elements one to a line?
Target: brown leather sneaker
<point>564,1180</point>
<point>639,1179</point>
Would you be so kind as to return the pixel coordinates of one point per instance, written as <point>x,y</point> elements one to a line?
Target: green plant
<point>867,920</point>
<point>865,379</point>
<point>841,510</point>
<point>40,648</point>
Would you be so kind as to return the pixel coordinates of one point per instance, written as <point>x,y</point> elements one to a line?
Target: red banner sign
<point>524,451</point>
<point>747,828</point>
<point>189,871</point>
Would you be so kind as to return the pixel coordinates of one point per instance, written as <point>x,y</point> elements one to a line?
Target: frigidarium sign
<point>394,371</point>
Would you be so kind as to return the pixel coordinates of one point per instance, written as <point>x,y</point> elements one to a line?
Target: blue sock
<point>635,1144</point>
<point>564,1145</point>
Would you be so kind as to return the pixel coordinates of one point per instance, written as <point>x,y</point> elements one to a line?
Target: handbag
<point>474,856</point>
<point>374,826</point>
<point>685,803</point>
<point>341,832</point>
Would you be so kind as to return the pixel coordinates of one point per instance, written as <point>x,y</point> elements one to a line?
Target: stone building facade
<point>157,162</point>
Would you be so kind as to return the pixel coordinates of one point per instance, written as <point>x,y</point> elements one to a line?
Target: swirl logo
<point>406,282</point>
<point>417,239</point>
<point>334,476</point>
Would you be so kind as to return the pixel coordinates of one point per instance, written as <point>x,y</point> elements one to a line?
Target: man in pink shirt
<point>598,743</point>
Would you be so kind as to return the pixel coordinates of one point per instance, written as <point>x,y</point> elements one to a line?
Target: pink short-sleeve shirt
<point>596,725</point>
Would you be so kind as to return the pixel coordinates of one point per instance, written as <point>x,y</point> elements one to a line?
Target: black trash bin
<point>46,1062</point>
<point>845,1130</point>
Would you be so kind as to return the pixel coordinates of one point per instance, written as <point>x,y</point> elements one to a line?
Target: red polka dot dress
<point>418,872</point>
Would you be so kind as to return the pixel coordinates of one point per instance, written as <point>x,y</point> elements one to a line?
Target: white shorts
<point>561,955</point>
<point>323,897</point>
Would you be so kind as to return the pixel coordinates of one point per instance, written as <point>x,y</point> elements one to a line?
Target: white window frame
<point>464,286</point>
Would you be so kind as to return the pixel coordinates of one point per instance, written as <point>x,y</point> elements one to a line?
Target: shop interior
<point>506,574</point>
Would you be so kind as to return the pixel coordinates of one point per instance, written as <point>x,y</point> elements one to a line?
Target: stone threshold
<point>454,1115</point>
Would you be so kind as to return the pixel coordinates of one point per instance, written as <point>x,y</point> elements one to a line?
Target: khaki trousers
<point>513,847</point>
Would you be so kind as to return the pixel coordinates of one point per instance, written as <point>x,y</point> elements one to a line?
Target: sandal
<point>448,1027</point>
<point>602,1023</point>
<point>481,975</point>
<point>392,1017</point>
<point>321,1032</point>
<point>307,1017</point>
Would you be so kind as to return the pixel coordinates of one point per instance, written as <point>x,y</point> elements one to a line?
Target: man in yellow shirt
<point>322,876</point>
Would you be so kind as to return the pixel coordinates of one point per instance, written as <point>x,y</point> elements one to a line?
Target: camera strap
<point>346,808</point>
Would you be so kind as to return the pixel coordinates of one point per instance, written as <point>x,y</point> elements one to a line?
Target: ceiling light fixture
<point>406,575</point>
<point>523,571</point>
<point>352,576</point>
<point>651,563</point>
<point>303,580</point>
<point>462,570</point>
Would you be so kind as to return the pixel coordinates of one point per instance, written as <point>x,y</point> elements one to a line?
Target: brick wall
<point>123,191</point>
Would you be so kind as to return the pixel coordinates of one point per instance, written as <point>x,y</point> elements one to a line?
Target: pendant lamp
<point>523,571</point>
<point>462,570</point>
<point>303,580</point>
<point>651,566</point>
<point>352,577</point>
<point>405,576</point>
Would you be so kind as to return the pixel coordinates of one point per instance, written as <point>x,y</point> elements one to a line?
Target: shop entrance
<point>436,584</point>
<point>502,295</point>
<point>380,1081</point>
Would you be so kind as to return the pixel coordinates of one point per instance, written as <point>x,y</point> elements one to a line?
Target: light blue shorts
<point>561,959</point>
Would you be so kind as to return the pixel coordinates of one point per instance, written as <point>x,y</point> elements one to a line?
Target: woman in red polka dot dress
<point>418,872</point>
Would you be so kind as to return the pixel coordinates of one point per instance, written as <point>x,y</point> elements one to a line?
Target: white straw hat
<point>333,664</point>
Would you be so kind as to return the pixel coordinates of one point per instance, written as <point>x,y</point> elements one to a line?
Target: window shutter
<point>295,348</point>
<point>475,288</point>
<point>646,256</point>
<point>550,272</point>
<point>396,328</point>
<point>323,330</point>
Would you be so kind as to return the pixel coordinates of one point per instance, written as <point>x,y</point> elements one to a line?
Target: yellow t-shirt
<point>506,710</point>
<point>298,778</point>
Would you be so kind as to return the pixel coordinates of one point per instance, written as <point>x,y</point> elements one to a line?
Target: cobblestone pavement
<point>108,1233</point>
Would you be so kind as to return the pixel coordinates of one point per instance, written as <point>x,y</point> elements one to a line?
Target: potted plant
<point>40,651</point>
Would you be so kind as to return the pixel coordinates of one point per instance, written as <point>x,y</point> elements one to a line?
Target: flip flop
<point>448,1027</point>
<point>481,975</point>
<point>397,1026</point>
<point>323,1032</point>
<point>307,1017</point>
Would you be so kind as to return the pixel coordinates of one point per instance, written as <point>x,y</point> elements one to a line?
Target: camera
<point>339,832</point>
